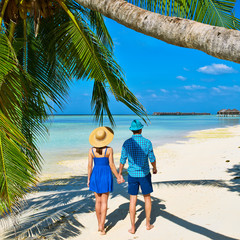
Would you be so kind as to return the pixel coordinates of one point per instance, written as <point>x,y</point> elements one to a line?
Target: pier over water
<point>178,113</point>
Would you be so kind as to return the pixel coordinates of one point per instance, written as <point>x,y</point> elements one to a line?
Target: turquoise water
<point>68,135</point>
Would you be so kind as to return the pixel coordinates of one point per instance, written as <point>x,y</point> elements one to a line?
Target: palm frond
<point>213,12</point>
<point>100,102</point>
<point>87,58</point>
<point>13,89</point>
<point>23,110</point>
<point>52,78</point>
<point>95,20</point>
<point>34,71</point>
<point>16,172</point>
<point>9,71</point>
<point>98,25</point>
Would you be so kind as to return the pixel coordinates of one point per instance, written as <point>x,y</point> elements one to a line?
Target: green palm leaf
<point>19,160</point>
<point>86,57</point>
<point>213,12</point>
<point>16,171</point>
<point>100,102</point>
<point>23,106</point>
<point>35,72</point>
<point>52,79</point>
<point>95,21</point>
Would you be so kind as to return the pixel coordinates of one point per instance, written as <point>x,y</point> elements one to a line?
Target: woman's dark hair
<point>99,151</point>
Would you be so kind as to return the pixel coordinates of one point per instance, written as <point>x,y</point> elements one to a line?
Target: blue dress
<point>101,180</point>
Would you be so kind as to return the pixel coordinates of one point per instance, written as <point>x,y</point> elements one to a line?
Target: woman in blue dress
<point>100,179</point>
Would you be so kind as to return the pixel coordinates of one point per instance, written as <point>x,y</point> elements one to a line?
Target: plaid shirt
<point>137,149</point>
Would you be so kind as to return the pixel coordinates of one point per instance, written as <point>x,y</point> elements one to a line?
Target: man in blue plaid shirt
<point>138,150</point>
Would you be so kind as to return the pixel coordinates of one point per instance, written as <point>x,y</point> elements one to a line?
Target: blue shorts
<point>144,182</point>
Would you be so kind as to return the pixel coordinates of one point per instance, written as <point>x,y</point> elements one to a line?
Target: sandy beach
<point>196,196</point>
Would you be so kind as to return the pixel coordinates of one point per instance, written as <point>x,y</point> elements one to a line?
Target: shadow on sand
<point>235,181</point>
<point>54,213</point>
<point>158,209</point>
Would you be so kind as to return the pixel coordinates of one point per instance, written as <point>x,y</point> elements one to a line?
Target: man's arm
<point>152,158</point>
<point>123,160</point>
<point>154,167</point>
<point>121,166</point>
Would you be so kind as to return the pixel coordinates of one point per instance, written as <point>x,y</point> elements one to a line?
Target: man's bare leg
<point>132,210</point>
<point>148,208</point>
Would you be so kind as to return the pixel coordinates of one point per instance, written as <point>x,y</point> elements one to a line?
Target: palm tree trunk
<point>216,41</point>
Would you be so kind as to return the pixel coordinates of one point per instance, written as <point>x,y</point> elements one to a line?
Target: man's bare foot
<point>102,232</point>
<point>149,227</point>
<point>131,230</point>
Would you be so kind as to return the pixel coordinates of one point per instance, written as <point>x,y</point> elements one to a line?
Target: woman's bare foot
<point>101,230</point>
<point>132,230</point>
<point>149,227</point>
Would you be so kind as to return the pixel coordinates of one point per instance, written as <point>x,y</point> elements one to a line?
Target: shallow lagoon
<point>68,134</point>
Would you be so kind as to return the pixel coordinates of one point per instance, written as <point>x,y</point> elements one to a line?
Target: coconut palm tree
<point>43,46</point>
<point>46,43</point>
<point>206,25</point>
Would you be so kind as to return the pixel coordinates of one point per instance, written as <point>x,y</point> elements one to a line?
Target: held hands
<point>120,179</point>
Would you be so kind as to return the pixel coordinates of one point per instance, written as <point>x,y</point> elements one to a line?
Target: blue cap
<point>136,125</point>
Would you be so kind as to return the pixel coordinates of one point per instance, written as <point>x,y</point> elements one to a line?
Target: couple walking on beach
<point>138,150</point>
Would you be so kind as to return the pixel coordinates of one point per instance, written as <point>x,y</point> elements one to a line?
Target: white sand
<point>195,196</point>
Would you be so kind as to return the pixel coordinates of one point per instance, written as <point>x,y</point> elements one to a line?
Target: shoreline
<point>196,196</point>
<point>78,167</point>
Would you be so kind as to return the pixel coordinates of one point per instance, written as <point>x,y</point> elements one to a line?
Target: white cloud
<point>164,90</point>
<point>225,90</point>
<point>216,69</point>
<point>234,88</point>
<point>181,78</point>
<point>216,90</point>
<point>86,94</point>
<point>150,90</point>
<point>138,96</point>
<point>116,42</point>
<point>186,69</point>
<point>154,95</point>
<point>194,87</point>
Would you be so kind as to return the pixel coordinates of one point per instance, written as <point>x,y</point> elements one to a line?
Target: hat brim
<point>101,143</point>
<point>134,129</point>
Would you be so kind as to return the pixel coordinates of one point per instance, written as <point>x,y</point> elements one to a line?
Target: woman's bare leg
<point>98,208</point>
<point>104,202</point>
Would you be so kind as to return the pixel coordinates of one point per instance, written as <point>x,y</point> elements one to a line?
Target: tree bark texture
<point>216,41</point>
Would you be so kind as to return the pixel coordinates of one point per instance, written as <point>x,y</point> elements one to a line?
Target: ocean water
<point>68,135</point>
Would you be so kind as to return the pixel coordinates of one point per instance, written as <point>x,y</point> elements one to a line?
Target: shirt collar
<point>137,135</point>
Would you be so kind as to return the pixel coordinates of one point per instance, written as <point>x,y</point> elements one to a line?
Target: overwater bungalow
<point>228,112</point>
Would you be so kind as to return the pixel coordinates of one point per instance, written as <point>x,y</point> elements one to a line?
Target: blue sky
<point>165,77</point>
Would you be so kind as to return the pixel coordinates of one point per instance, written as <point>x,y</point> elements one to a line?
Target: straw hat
<point>101,136</point>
